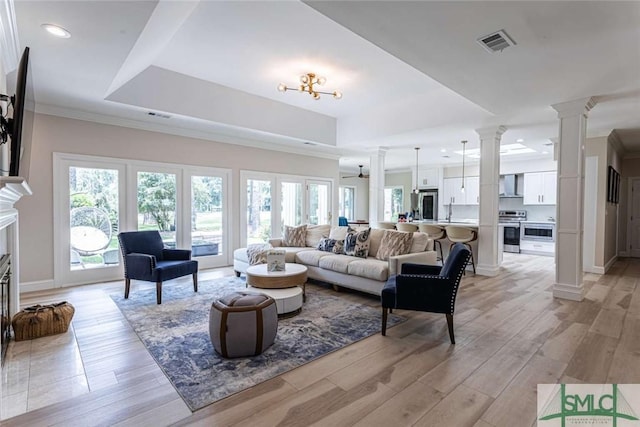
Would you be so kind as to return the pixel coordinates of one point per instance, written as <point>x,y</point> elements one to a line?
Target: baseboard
<point>39,285</point>
<point>623,254</point>
<point>594,269</point>
<point>570,292</point>
<point>488,270</point>
<point>608,265</point>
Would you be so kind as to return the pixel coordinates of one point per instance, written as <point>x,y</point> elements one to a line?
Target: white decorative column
<point>489,256</point>
<point>376,185</point>
<point>569,210</point>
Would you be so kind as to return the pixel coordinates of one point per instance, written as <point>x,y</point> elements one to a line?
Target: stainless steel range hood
<point>510,186</point>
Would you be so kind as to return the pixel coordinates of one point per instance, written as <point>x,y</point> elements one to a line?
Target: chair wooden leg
<point>439,244</point>
<point>195,282</point>
<point>127,286</point>
<point>450,325</point>
<point>384,320</point>
<point>159,292</point>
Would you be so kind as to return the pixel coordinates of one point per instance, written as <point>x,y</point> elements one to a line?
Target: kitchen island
<point>473,225</point>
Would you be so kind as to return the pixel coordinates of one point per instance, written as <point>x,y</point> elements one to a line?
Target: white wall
<point>55,134</point>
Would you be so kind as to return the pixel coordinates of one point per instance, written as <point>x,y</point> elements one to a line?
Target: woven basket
<point>42,320</point>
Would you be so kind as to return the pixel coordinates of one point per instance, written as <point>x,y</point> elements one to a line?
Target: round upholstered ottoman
<point>243,324</point>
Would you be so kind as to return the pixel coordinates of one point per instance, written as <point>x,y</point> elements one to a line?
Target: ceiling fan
<point>360,175</point>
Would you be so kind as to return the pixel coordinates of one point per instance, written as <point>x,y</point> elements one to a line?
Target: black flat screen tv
<point>21,124</point>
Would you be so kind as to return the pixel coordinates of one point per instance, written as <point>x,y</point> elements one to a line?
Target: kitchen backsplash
<point>534,212</point>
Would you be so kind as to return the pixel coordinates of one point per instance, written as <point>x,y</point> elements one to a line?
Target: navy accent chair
<point>342,221</point>
<point>145,258</point>
<point>429,288</point>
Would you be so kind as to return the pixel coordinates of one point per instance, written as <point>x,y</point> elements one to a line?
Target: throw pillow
<point>294,236</point>
<point>338,248</point>
<point>394,243</point>
<point>326,244</point>
<point>257,253</point>
<point>357,243</point>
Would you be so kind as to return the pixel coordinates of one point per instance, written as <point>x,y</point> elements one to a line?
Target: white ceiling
<point>411,73</point>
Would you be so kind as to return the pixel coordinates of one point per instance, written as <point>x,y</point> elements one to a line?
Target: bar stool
<point>436,233</point>
<point>404,226</point>
<point>386,225</point>
<point>462,235</point>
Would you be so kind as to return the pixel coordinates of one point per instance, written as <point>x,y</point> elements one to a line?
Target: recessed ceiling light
<point>443,150</point>
<point>56,30</point>
<point>519,140</point>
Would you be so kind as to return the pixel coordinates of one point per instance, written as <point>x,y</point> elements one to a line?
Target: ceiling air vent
<point>496,42</point>
<point>162,116</point>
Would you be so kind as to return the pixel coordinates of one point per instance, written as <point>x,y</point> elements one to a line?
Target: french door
<point>273,201</point>
<point>100,197</point>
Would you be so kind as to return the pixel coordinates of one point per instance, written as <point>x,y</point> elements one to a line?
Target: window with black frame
<point>613,185</point>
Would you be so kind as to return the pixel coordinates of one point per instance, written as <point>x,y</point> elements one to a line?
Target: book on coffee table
<point>275,260</point>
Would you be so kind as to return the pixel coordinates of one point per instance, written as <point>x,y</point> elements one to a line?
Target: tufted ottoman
<point>243,324</point>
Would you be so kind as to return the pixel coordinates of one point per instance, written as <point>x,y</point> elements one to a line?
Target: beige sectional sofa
<point>363,274</point>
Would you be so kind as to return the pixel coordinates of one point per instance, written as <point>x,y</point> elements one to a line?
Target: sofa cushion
<point>310,257</point>
<point>290,254</point>
<point>339,233</point>
<point>394,243</point>
<point>420,241</point>
<point>357,243</point>
<point>338,263</point>
<point>295,236</point>
<point>370,268</point>
<point>374,241</point>
<point>315,233</point>
<point>257,253</point>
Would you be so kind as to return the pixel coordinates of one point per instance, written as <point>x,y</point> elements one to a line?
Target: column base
<point>570,292</point>
<point>487,270</point>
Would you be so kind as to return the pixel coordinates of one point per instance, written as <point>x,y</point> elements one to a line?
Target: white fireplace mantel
<point>12,188</point>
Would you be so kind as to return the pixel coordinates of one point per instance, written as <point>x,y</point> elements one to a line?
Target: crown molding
<point>616,142</point>
<point>307,150</point>
<point>9,44</point>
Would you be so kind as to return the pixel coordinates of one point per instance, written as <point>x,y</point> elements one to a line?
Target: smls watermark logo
<point>588,404</point>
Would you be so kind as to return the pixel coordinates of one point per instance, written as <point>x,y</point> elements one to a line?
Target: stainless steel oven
<point>538,231</point>
<point>510,220</point>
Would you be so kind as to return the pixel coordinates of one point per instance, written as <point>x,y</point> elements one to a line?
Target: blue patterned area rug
<point>176,334</point>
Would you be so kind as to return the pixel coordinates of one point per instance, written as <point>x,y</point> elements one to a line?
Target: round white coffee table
<point>283,286</point>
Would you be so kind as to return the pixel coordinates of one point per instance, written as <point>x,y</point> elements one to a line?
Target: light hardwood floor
<point>511,335</point>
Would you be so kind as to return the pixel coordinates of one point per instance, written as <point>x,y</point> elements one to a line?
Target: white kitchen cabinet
<point>540,188</point>
<point>452,191</point>
<point>428,178</point>
<point>472,190</point>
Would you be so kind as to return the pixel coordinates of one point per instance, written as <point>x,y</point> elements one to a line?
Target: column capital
<point>490,132</point>
<point>379,150</point>
<point>575,108</point>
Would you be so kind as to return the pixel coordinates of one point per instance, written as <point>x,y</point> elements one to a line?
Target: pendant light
<point>416,189</point>
<point>464,145</point>
<point>414,195</point>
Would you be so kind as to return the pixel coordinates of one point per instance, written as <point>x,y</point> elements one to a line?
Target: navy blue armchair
<point>145,258</point>
<point>426,287</point>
